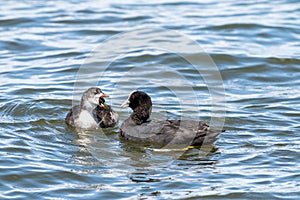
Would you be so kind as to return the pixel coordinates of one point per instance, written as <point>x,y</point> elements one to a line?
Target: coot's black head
<point>92,96</point>
<point>141,104</point>
<point>137,99</point>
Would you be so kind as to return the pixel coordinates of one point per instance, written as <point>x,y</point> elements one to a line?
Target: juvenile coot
<point>139,128</point>
<point>92,111</point>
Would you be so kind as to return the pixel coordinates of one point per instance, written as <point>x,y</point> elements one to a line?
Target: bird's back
<point>185,132</point>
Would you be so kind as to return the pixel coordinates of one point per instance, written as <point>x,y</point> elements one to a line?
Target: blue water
<point>234,64</point>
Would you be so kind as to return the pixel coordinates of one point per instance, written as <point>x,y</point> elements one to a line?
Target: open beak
<point>101,95</point>
<point>125,104</point>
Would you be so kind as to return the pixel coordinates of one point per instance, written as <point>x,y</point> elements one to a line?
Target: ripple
<point>15,21</point>
<point>255,47</point>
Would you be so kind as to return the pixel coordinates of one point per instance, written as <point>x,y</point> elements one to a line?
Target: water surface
<point>255,46</point>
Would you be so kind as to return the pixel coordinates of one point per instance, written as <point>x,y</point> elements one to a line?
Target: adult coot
<point>92,111</point>
<point>139,128</point>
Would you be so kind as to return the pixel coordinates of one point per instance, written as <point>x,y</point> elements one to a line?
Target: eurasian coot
<point>92,112</point>
<point>139,128</point>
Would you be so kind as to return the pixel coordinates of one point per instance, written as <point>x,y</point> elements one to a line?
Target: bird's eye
<point>98,91</point>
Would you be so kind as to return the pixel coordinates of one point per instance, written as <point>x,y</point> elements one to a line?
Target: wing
<point>73,112</point>
<point>185,132</point>
<point>106,117</point>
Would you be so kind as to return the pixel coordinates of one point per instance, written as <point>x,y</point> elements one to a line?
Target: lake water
<point>232,63</point>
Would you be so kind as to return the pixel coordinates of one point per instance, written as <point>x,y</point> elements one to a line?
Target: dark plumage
<point>106,117</point>
<point>139,128</point>
<point>92,111</point>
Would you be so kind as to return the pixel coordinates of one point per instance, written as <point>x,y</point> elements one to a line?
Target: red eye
<point>132,97</point>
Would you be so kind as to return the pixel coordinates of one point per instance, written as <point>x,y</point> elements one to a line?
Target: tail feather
<point>207,135</point>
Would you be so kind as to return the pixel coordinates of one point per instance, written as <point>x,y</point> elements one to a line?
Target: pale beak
<point>125,104</point>
<point>104,106</point>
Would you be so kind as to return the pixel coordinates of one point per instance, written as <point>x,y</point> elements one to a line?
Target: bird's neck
<point>85,105</point>
<point>141,114</point>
